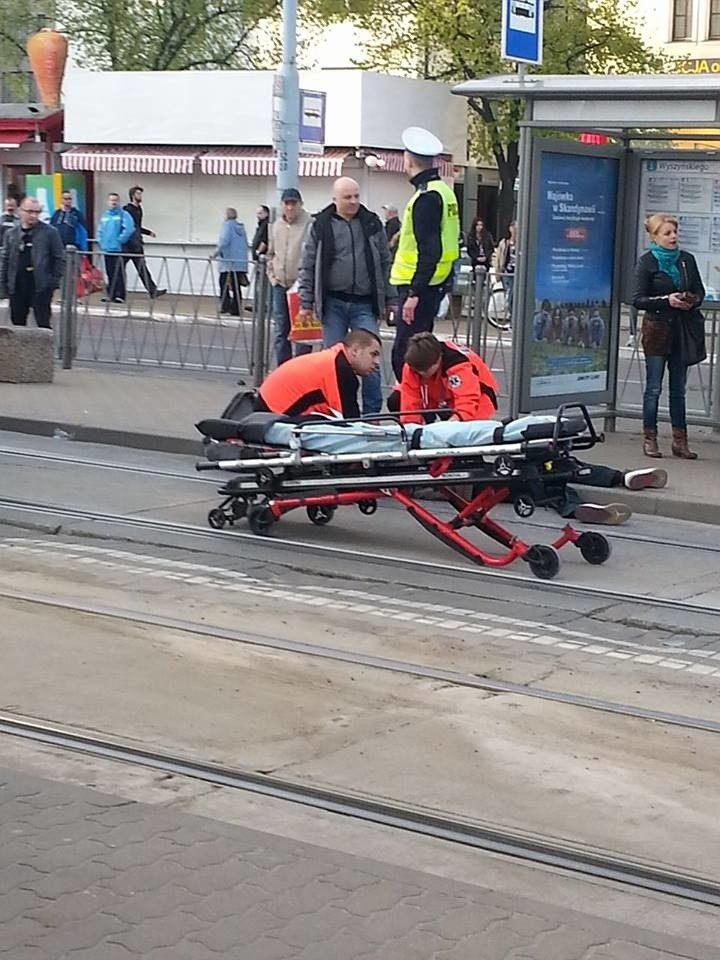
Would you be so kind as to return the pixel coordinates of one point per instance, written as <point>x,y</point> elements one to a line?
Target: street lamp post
<point>286,117</point>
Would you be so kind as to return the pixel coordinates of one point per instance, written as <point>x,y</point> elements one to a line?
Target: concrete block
<point>26,355</point>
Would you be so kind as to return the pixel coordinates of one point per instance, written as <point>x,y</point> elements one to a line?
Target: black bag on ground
<point>240,406</point>
<point>692,337</point>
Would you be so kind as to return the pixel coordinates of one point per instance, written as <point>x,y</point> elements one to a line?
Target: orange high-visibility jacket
<point>322,382</point>
<point>462,384</point>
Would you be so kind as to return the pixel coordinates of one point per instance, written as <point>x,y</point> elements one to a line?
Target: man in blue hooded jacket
<point>115,228</point>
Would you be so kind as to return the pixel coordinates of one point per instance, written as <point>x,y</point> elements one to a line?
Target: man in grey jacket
<point>287,236</point>
<point>32,262</point>
<point>344,274</point>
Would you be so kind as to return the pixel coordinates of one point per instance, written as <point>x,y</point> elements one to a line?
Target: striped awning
<point>392,161</point>
<point>261,162</point>
<point>131,159</point>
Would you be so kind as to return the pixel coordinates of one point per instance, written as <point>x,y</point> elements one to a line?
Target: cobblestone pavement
<point>86,876</point>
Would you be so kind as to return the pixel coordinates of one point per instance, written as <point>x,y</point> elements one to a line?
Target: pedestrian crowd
<point>345,270</point>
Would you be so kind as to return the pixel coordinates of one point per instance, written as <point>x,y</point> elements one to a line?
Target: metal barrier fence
<point>138,316</point>
<point>482,322</point>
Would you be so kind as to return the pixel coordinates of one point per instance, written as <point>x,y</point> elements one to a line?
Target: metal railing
<point>140,316</point>
<point>483,324</point>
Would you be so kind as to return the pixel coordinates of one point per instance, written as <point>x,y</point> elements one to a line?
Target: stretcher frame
<point>269,483</point>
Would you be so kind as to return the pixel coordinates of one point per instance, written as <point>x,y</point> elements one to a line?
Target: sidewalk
<point>156,410</point>
<point>91,876</point>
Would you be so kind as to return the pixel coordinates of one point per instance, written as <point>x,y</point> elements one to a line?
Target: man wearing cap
<point>428,244</point>
<point>283,261</point>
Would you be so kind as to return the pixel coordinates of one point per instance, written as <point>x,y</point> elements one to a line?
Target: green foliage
<point>19,19</point>
<point>168,34</point>
<point>455,40</point>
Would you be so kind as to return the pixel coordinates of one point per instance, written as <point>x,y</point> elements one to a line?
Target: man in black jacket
<point>260,240</point>
<point>32,262</point>
<point>135,247</point>
<point>9,217</point>
<point>343,275</point>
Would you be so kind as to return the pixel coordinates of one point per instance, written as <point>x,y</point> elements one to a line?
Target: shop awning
<point>392,161</point>
<point>12,139</point>
<point>260,162</point>
<point>131,159</point>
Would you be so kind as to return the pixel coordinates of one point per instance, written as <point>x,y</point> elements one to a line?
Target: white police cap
<point>421,142</point>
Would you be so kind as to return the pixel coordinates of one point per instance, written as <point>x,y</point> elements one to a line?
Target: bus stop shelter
<point>580,210</point>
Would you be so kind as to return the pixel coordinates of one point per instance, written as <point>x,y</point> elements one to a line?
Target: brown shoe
<point>650,444</point>
<point>609,513</point>
<point>680,445</point>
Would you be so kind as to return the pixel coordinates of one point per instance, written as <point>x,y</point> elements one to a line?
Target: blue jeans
<point>508,282</point>
<point>281,322</point>
<point>339,317</point>
<point>655,370</point>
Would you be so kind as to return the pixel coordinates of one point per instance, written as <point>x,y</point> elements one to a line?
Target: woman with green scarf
<point>669,289</point>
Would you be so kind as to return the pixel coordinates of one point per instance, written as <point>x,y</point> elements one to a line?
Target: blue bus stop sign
<point>522,27</point>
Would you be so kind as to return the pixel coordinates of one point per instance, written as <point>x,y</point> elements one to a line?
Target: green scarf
<point>667,261</point>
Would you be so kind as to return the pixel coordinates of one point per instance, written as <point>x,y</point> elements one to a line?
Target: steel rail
<point>209,480</point>
<point>547,851</point>
<point>358,659</point>
<point>197,532</point>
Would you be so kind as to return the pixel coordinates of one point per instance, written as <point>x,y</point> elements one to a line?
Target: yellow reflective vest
<point>406,256</point>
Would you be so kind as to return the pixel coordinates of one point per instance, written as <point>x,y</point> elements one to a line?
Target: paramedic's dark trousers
<point>425,313</point>
<point>25,299</point>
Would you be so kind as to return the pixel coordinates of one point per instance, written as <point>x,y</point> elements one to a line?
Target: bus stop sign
<point>521,33</point>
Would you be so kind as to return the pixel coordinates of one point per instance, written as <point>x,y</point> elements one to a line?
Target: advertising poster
<point>47,190</point>
<point>573,279</point>
<point>689,189</point>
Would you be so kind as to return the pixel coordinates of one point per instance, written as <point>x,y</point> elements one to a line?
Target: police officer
<point>428,244</point>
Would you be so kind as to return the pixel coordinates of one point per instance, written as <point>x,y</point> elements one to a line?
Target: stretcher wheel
<point>524,506</point>
<point>367,507</point>
<point>504,466</point>
<point>260,519</point>
<point>217,519</point>
<point>543,560</point>
<point>594,547</point>
<point>320,515</point>
<point>265,479</point>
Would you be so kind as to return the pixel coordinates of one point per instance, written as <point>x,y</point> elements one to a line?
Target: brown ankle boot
<point>650,444</point>
<point>680,445</point>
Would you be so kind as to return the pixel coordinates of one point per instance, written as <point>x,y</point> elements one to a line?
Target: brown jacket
<point>286,241</point>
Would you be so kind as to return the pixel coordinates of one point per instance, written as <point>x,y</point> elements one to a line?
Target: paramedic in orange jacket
<point>439,374</point>
<point>324,382</point>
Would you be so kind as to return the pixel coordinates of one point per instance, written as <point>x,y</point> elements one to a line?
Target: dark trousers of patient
<point>589,475</point>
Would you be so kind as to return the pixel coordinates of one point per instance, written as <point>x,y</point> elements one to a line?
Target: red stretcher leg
<point>286,504</point>
<point>450,536</point>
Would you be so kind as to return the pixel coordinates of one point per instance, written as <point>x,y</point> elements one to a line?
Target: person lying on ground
<point>440,375</point>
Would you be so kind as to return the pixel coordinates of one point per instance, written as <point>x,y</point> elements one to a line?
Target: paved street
<point>87,876</point>
<point>216,872</point>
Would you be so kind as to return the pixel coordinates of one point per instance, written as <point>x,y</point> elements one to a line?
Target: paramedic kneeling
<point>439,375</point>
<point>325,382</point>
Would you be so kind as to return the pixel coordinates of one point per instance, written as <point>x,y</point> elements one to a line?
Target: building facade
<point>198,142</point>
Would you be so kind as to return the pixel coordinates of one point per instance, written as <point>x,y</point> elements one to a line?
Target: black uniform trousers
<point>115,270</point>
<point>425,313</point>
<point>25,298</point>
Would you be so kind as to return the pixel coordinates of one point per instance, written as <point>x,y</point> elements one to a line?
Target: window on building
<point>682,18</point>
<point>714,28</point>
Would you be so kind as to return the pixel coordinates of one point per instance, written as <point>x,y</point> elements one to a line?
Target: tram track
<point>547,851</point>
<point>357,659</point>
<point>210,480</point>
<point>197,533</point>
